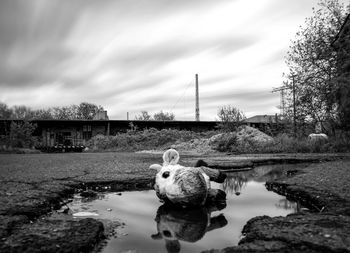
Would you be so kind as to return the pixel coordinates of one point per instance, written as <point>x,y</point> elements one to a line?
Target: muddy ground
<point>31,186</point>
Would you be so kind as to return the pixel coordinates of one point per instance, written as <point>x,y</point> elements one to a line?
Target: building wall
<point>67,135</point>
<point>75,132</point>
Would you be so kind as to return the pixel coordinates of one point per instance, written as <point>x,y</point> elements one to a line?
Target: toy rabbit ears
<point>156,167</point>
<point>170,157</point>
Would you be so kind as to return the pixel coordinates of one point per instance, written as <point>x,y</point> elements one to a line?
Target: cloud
<point>157,55</point>
<point>31,41</point>
<point>133,55</point>
<point>276,56</point>
<point>43,67</point>
<point>240,99</point>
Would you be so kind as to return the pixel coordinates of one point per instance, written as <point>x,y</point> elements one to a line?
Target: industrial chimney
<point>197,99</point>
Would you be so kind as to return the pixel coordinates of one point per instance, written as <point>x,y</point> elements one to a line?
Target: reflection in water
<point>175,224</point>
<point>288,205</point>
<point>186,230</point>
<point>237,181</point>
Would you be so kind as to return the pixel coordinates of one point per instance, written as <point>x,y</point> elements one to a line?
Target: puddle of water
<point>149,226</point>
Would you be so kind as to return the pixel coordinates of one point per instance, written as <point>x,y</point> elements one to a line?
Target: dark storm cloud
<point>171,50</point>
<point>99,50</point>
<point>31,35</point>
<point>123,90</point>
<point>44,67</point>
<point>34,23</point>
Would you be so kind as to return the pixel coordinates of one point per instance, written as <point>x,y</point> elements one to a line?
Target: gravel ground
<point>32,185</point>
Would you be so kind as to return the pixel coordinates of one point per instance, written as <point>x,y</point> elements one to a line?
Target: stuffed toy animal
<point>185,186</point>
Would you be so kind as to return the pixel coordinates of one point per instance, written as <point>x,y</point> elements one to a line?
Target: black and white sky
<point>135,55</point>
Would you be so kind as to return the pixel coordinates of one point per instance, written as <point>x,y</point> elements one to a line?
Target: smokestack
<point>197,99</point>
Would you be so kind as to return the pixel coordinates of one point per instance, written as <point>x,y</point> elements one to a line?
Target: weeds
<point>237,143</point>
<point>283,144</point>
<point>152,138</point>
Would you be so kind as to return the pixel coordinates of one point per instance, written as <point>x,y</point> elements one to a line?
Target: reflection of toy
<point>190,225</point>
<point>187,186</point>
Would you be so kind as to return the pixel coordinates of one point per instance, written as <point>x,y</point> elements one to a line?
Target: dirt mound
<point>208,145</point>
<point>247,133</point>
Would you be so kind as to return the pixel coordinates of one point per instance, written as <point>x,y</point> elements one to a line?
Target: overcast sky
<point>135,55</point>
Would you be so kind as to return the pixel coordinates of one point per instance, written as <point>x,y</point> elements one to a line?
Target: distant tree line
<point>161,116</point>
<point>82,111</point>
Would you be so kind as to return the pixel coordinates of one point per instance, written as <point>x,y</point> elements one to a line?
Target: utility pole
<point>282,103</point>
<point>197,99</point>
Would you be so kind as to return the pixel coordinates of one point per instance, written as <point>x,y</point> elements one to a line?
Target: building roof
<point>261,119</point>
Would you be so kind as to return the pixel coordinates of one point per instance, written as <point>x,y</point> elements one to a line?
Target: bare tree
<point>22,112</point>
<point>231,117</point>
<point>65,112</point>
<point>164,116</point>
<point>88,110</point>
<point>5,111</point>
<point>143,116</point>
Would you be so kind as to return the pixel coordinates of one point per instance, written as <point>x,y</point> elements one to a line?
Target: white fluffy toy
<point>186,186</point>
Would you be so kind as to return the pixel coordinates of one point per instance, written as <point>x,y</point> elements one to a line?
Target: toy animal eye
<point>166,174</point>
<point>166,233</point>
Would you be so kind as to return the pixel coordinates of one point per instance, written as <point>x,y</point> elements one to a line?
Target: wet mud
<point>32,186</point>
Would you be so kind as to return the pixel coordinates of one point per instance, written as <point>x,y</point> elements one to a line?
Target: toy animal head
<point>181,224</point>
<point>178,184</point>
<point>170,157</point>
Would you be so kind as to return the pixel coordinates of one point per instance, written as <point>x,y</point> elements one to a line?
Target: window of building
<point>86,128</point>
<point>87,132</point>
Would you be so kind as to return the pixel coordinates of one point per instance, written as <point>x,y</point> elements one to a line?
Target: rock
<point>287,229</point>
<point>55,236</point>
